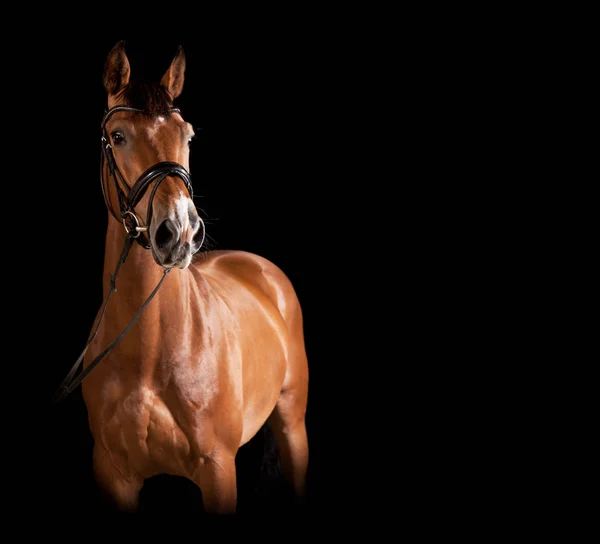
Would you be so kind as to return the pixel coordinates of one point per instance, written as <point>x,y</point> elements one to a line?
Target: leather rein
<point>128,197</point>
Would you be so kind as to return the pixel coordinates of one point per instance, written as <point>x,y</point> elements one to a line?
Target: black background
<point>264,167</point>
<point>328,146</point>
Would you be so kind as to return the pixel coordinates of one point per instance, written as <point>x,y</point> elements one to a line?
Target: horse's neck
<point>139,274</point>
<point>163,326</point>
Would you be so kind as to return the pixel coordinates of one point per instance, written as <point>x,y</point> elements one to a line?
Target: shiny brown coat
<point>217,353</point>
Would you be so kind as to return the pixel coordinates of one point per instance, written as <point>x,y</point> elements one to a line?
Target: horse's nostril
<point>198,238</point>
<point>165,234</point>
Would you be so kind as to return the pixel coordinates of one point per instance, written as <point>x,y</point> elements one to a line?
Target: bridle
<point>129,197</point>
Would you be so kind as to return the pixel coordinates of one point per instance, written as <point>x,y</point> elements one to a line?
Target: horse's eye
<point>117,137</point>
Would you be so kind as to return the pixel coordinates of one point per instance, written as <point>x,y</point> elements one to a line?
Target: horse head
<point>146,151</point>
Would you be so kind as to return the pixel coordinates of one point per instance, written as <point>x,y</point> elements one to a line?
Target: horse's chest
<point>151,434</point>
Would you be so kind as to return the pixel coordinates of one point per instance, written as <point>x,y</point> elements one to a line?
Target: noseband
<point>129,196</point>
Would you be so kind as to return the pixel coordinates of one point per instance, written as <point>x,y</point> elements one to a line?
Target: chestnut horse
<point>219,349</point>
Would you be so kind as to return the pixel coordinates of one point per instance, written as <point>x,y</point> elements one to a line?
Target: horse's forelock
<point>150,97</point>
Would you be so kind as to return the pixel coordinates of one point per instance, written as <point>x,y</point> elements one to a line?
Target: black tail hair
<point>262,486</point>
<point>270,483</point>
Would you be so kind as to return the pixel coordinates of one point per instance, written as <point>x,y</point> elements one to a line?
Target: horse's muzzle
<point>174,244</point>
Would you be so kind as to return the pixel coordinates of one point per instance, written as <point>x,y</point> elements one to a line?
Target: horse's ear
<point>173,78</point>
<point>116,69</point>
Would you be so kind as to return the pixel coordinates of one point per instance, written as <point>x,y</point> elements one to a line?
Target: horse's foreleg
<point>288,424</point>
<point>121,485</point>
<point>216,478</point>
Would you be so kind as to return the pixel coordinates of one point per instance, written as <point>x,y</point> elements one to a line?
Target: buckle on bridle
<point>137,227</point>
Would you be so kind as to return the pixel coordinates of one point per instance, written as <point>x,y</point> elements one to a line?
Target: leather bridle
<point>129,196</point>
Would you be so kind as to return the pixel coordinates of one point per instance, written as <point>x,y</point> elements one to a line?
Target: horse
<point>207,346</point>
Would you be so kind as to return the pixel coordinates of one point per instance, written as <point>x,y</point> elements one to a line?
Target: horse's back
<point>256,273</point>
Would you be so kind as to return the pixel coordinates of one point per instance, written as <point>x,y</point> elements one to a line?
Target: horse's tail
<point>270,486</point>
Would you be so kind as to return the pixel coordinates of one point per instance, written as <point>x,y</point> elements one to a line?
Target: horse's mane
<point>151,97</point>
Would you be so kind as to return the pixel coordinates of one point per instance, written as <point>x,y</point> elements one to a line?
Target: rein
<point>128,198</point>
<point>70,382</point>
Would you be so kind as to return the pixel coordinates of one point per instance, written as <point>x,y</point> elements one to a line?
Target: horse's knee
<point>216,478</point>
<point>122,486</point>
